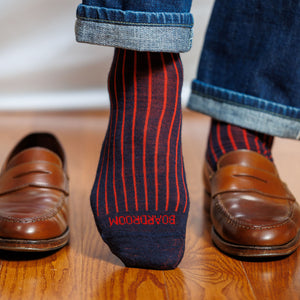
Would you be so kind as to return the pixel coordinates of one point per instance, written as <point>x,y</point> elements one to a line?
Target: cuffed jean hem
<point>141,31</point>
<point>245,110</point>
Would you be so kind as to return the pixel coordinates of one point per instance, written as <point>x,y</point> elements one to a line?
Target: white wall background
<point>42,67</point>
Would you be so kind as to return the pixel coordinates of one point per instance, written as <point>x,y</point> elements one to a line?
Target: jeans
<point>249,69</point>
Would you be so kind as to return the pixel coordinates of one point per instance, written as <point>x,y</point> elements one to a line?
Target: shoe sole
<point>35,245</point>
<point>255,251</point>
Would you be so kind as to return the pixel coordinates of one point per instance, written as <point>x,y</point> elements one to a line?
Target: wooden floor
<point>85,269</point>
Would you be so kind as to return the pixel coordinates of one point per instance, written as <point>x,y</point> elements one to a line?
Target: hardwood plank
<point>208,275</point>
<point>25,276</point>
<point>275,279</point>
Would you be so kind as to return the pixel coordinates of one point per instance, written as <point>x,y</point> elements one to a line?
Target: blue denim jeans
<point>249,70</point>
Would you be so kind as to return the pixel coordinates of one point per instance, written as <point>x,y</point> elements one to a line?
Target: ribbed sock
<point>225,137</point>
<point>140,198</point>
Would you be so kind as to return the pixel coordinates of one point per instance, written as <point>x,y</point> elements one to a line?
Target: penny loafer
<point>253,212</point>
<point>34,196</point>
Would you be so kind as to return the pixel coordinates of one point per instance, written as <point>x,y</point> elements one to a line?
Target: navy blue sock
<point>224,137</point>
<point>140,198</point>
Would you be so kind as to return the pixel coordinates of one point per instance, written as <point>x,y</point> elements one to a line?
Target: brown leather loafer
<point>34,196</point>
<point>253,213</point>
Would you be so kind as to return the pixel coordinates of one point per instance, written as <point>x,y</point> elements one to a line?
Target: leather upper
<point>250,204</point>
<point>34,190</point>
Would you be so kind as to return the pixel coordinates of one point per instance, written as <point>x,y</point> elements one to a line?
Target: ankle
<point>224,138</point>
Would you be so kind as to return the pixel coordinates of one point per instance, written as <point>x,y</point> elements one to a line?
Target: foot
<point>252,211</point>
<point>140,198</point>
<point>224,138</point>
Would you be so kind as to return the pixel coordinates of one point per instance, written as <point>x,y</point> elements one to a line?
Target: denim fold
<point>245,110</point>
<point>134,30</point>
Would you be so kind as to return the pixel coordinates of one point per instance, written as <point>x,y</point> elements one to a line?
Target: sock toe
<point>148,251</point>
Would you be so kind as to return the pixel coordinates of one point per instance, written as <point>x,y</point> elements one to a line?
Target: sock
<point>139,198</point>
<point>225,137</point>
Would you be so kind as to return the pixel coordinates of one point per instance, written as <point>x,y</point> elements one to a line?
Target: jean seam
<point>243,105</point>
<point>135,23</point>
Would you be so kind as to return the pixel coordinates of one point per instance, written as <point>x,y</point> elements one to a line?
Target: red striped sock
<point>225,137</point>
<point>140,198</point>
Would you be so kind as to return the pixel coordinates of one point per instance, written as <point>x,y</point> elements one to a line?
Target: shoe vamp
<point>30,203</point>
<point>255,209</point>
<point>249,219</point>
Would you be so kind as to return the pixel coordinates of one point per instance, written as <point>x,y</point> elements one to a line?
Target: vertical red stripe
<point>122,134</point>
<point>107,163</point>
<point>114,143</point>
<point>176,167</point>
<point>266,144</point>
<point>169,137</point>
<point>169,142</point>
<point>108,151</point>
<point>246,139</point>
<point>229,132</point>
<point>219,138</point>
<point>133,130</point>
<point>159,128</point>
<point>100,175</point>
<point>104,151</point>
<point>146,128</point>
<point>176,162</point>
<point>183,180</point>
<point>257,145</point>
<point>265,148</point>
